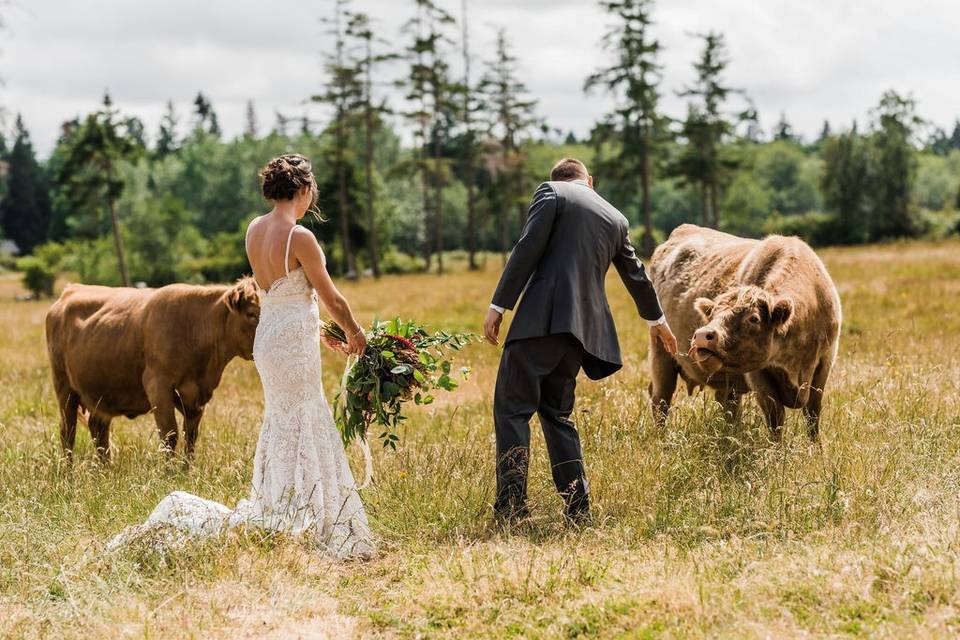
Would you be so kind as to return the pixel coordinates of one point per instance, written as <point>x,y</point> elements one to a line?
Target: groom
<point>571,237</point>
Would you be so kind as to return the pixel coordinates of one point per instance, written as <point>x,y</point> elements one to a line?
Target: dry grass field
<point>702,530</point>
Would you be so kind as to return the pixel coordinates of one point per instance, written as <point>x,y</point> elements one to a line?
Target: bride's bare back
<point>276,245</point>
<point>267,241</point>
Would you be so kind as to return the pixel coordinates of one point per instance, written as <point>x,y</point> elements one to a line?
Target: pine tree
<point>937,142</point>
<point>432,96</point>
<point>844,183</point>
<point>471,105</point>
<point>88,172</point>
<point>824,132</point>
<point>167,140</point>
<point>359,29</point>
<point>510,117</point>
<point>635,126</point>
<point>893,166</point>
<point>25,209</point>
<point>281,122</point>
<point>205,118</point>
<point>955,136</point>
<point>250,128</point>
<point>342,88</point>
<point>693,163</point>
<point>707,126</point>
<point>783,130</point>
<point>753,132</point>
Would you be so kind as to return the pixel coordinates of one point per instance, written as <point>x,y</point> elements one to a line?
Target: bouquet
<point>403,361</point>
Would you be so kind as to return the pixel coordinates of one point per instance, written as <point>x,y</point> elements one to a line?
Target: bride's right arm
<point>314,264</point>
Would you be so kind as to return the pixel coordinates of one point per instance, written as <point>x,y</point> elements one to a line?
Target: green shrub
<point>937,225</point>
<point>399,262</point>
<point>38,276</point>
<point>814,227</point>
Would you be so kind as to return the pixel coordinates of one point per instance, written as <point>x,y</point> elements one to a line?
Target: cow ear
<point>704,307</point>
<point>242,294</point>
<point>781,313</point>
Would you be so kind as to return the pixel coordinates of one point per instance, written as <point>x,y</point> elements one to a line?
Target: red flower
<point>406,343</point>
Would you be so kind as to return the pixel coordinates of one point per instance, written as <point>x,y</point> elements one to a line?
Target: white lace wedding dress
<point>302,483</point>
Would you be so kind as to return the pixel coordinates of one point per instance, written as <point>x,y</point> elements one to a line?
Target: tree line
<point>431,164</point>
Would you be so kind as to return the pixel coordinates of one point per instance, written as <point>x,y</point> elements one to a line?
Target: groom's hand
<point>663,333</point>
<point>491,326</point>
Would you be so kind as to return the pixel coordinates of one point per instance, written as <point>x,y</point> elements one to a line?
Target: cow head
<point>243,301</point>
<point>739,330</point>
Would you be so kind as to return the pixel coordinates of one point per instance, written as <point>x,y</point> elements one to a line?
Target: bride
<point>301,480</point>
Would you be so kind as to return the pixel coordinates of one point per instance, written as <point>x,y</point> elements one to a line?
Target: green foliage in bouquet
<point>403,361</point>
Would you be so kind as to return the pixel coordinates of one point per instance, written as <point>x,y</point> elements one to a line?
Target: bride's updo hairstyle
<point>284,176</point>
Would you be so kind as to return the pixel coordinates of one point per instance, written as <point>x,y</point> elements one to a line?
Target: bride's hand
<point>334,345</point>
<point>357,343</point>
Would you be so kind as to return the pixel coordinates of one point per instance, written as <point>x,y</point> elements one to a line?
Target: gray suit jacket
<point>571,237</point>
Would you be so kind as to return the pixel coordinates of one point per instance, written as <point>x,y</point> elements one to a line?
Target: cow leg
<point>68,402</point>
<point>100,433</point>
<point>729,399</point>
<point>663,383</point>
<point>191,428</point>
<point>811,411</point>
<point>161,396</point>
<point>768,396</point>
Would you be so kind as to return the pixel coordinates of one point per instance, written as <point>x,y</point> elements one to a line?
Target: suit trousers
<point>538,375</point>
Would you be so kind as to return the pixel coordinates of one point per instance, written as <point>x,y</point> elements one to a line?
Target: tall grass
<point>702,529</point>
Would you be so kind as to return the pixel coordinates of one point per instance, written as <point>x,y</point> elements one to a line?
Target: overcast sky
<point>812,60</point>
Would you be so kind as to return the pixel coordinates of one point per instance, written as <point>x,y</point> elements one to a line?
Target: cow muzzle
<point>705,349</point>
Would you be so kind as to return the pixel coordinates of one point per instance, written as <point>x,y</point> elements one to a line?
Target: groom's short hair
<point>569,169</point>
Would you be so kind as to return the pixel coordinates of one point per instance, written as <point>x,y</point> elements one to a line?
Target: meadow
<point>701,529</point>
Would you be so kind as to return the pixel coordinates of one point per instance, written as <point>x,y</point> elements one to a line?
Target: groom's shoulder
<point>582,195</point>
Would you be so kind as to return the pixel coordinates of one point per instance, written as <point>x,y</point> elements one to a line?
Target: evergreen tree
<point>938,143</point>
<point>955,136</point>
<point>753,132</point>
<point>167,139</point>
<point>432,96</point>
<point>359,28</point>
<point>845,184</point>
<point>250,128</point>
<point>824,133</point>
<point>205,118</point>
<point>693,162</point>
<point>471,105</point>
<point>707,126</point>
<point>510,117</point>
<point>893,166</point>
<point>3,170</point>
<point>635,125</point>
<point>783,130</point>
<point>25,208</point>
<point>281,122</point>
<point>342,89</point>
<point>89,173</point>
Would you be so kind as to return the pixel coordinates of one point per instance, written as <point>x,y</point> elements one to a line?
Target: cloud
<point>812,60</point>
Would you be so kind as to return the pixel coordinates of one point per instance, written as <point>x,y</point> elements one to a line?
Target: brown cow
<point>122,351</point>
<point>759,315</point>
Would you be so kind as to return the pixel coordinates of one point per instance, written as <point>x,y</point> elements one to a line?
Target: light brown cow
<point>122,351</point>
<point>759,315</point>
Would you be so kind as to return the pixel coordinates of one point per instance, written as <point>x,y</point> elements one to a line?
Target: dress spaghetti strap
<point>286,254</point>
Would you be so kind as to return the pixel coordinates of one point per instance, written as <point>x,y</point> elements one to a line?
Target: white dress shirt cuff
<point>499,310</point>
<point>654,323</point>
